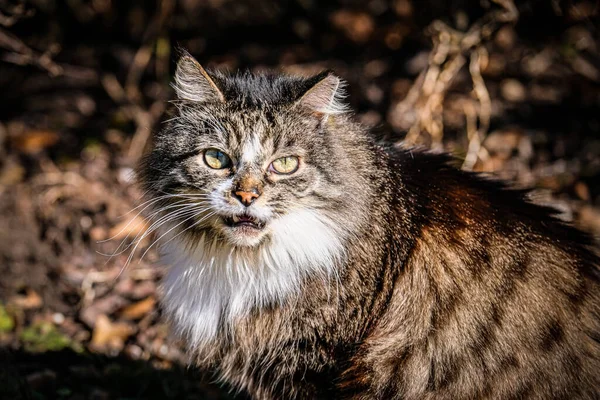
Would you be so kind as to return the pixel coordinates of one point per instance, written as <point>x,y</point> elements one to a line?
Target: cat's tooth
<point>236,219</point>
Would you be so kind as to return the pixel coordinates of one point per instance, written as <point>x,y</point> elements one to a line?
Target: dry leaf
<point>11,174</point>
<point>106,305</point>
<point>34,141</point>
<point>139,309</point>
<point>357,26</point>
<point>582,191</point>
<point>29,301</point>
<point>109,334</point>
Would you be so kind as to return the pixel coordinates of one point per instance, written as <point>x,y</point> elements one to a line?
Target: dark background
<point>511,92</point>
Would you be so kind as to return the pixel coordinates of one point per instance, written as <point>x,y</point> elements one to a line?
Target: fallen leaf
<point>11,174</point>
<point>106,305</point>
<point>31,300</point>
<point>34,141</point>
<point>7,322</point>
<point>357,26</point>
<point>139,309</point>
<point>110,334</point>
<point>504,143</point>
<point>513,90</point>
<point>582,191</point>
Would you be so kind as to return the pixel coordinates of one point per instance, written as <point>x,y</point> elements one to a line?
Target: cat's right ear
<point>192,83</point>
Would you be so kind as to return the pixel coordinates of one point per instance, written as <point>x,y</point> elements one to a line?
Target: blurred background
<point>511,88</point>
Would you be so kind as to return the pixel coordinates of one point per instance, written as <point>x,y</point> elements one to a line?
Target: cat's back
<point>497,298</point>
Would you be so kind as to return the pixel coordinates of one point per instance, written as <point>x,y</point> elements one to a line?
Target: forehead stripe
<point>251,149</point>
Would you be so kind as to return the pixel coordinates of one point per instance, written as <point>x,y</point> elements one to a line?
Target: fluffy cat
<point>309,262</point>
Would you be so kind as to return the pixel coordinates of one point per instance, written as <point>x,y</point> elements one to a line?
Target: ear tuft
<point>326,96</point>
<point>193,83</point>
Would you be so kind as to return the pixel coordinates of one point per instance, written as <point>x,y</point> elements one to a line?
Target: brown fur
<point>468,293</point>
<point>454,287</point>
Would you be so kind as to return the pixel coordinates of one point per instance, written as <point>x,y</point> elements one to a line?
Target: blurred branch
<point>15,13</point>
<point>144,119</point>
<point>131,94</point>
<point>144,53</point>
<point>451,51</point>
<point>138,66</point>
<point>477,135</point>
<point>21,54</point>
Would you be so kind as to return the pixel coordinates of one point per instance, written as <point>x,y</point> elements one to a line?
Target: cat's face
<point>254,170</point>
<point>244,171</point>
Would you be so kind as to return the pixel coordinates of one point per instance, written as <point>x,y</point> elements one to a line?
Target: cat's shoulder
<point>436,179</point>
<point>441,172</point>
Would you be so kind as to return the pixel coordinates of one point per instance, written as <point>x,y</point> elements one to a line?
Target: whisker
<point>193,213</point>
<point>165,219</point>
<point>148,204</point>
<point>152,227</point>
<point>162,209</point>
<point>179,210</point>
<point>186,194</point>
<point>186,229</point>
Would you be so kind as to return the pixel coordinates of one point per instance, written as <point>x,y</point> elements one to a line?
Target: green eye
<point>285,165</point>
<point>216,159</point>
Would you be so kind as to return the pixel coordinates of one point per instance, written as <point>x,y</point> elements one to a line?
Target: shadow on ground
<point>67,374</point>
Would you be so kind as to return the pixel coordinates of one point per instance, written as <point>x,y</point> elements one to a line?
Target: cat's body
<point>388,274</point>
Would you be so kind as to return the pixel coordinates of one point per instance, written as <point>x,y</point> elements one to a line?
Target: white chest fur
<point>211,283</point>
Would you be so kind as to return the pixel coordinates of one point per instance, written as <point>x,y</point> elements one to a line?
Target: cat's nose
<point>247,196</point>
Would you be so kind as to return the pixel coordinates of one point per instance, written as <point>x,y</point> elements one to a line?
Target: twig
<point>24,55</point>
<point>138,66</point>
<point>144,119</point>
<point>476,135</point>
<point>17,12</point>
<point>423,106</point>
<point>130,95</point>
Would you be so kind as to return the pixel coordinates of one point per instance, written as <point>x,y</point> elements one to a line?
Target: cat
<point>308,261</point>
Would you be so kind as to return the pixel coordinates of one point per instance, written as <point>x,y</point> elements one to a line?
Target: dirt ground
<point>512,92</point>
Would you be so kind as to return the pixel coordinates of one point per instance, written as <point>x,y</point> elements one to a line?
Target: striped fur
<point>412,280</point>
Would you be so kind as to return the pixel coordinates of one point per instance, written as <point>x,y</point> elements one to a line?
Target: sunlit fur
<point>380,273</point>
<point>219,273</point>
<point>212,282</point>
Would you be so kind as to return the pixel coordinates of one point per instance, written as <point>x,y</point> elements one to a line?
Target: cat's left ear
<point>325,97</point>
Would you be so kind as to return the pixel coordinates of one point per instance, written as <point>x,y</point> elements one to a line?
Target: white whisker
<point>117,252</point>
<point>151,203</point>
<point>194,215</point>
<point>183,211</point>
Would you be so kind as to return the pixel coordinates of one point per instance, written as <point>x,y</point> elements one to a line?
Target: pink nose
<point>247,197</point>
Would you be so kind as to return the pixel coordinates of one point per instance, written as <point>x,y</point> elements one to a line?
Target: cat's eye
<point>285,165</point>
<point>216,159</point>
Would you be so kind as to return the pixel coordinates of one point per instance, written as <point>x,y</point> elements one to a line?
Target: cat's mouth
<point>244,220</point>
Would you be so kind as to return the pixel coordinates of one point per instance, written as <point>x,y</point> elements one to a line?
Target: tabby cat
<point>307,261</point>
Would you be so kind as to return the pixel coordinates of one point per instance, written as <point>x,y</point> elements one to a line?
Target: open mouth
<point>244,221</point>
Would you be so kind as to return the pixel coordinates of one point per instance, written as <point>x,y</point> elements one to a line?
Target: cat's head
<point>247,158</point>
